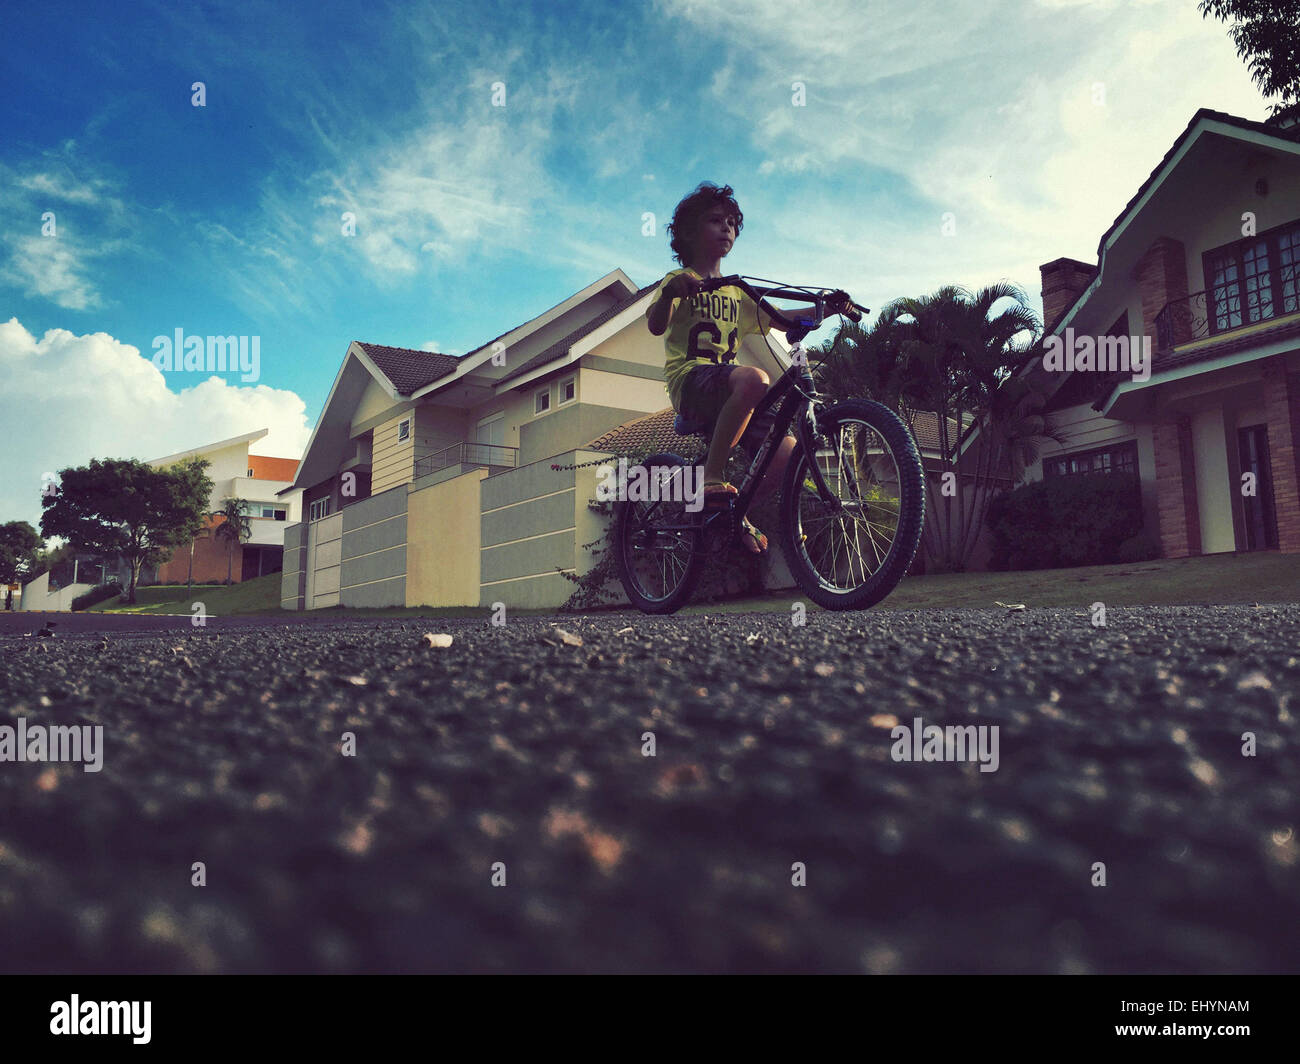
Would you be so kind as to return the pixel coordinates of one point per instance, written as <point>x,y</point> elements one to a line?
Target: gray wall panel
<point>387,563</point>
<point>527,482</point>
<point>528,519</point>
<point>385,593</point>
<point>528,558</point>
<point>368,511</point>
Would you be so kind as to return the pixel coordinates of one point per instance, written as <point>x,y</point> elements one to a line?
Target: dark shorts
<point>705,390</point>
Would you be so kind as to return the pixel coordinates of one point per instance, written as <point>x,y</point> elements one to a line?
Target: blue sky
<point>471,218</point>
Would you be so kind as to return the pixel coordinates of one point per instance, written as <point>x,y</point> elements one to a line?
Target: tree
<point>20,547</point>
<point>951,357</point>
<point>190,478</point>
<point>234,529</point>
<point>1267,35</point>
<point>126,508</point>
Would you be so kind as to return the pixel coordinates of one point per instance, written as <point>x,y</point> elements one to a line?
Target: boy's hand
<point>683,286</point>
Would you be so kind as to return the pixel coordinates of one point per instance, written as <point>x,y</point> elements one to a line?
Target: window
<point>320,508</point>
<point>250,474</point>
<point>404,429</point>
<point>568,390</point>
<point>542,401</point>
<point>491,430</point>
<point>262,509</point>
<point>1121,458</point>
<point>1253,280</point>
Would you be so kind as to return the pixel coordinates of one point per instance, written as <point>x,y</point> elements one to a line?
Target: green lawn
<point>252,596</point>
<point>1213,580</point>
<point>1223,578</point>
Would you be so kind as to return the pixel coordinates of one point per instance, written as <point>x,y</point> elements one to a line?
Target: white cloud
<point>50,267</point>
<point>56,262</point>
<point>915,110</point>
<point>69,398</point>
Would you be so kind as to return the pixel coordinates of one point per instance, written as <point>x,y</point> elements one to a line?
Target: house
<point>259,480</point>
<point>428,478</point>
<point>1202,265</point>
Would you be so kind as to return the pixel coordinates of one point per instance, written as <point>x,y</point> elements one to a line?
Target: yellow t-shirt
<point>709,328</point>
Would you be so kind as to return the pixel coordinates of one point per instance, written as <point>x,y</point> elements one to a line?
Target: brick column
<point>1176,503</point>
<point>1282,412</point>
<point>1161,276</point>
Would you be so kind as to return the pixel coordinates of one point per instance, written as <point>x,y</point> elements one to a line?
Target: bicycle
<point>857,445</point>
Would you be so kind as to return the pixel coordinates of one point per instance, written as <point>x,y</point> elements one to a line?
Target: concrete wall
<point>293,578</point>
<point>571,427</point>
<point>373,556</point>
<point>443,540</point>
<point>323,561</point>
<point>527,533</point>
<point>37,595</point>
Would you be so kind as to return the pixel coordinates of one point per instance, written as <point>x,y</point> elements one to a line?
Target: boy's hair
<point>687,216</point>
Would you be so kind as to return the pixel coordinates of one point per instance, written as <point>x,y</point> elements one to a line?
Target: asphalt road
<point>1119,745</point>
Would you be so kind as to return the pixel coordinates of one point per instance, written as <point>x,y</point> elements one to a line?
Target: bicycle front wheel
<point>848,553</point>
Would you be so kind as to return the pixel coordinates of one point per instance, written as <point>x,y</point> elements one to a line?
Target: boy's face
<point>717,232</point>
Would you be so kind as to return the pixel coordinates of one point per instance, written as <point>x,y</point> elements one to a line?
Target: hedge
<point>96,594</point>
<point>1061,522</point>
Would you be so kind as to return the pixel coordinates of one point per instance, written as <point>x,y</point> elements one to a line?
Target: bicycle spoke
<point>846,546</point>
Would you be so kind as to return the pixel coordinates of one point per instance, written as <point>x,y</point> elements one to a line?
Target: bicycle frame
<point>798,379</point>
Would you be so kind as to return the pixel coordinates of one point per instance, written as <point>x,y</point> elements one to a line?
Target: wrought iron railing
<point>1219,311</point>
<point>492,455</point>
<point>1182,321</point>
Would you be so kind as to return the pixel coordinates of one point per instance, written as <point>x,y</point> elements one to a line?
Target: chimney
<point>1063,280</point>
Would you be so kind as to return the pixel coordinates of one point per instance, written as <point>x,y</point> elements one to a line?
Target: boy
<point>702,333</point>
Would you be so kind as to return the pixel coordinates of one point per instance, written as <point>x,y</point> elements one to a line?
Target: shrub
<point>96,594</point>
<point>1065,521</point>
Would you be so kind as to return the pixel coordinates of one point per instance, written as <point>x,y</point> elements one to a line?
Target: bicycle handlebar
<point>850,311</point>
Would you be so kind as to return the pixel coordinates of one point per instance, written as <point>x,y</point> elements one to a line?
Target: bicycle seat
<point>683,427</point>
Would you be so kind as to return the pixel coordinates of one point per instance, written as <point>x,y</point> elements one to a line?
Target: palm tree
<point>234,529</point>
<point>949,354</point>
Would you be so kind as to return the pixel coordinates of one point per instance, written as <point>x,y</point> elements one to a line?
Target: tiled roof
<point>561,347</point>
<point>651,433</point>
<point>409,371</point>
<point>654,432</point>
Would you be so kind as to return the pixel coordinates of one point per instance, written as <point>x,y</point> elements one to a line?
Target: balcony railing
<point>492,455</point>
<point>1182,321</point>
<point>1218,312</point>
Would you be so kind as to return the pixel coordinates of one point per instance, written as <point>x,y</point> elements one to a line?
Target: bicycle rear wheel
<point>660,547</point>
<point>849,553</point>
